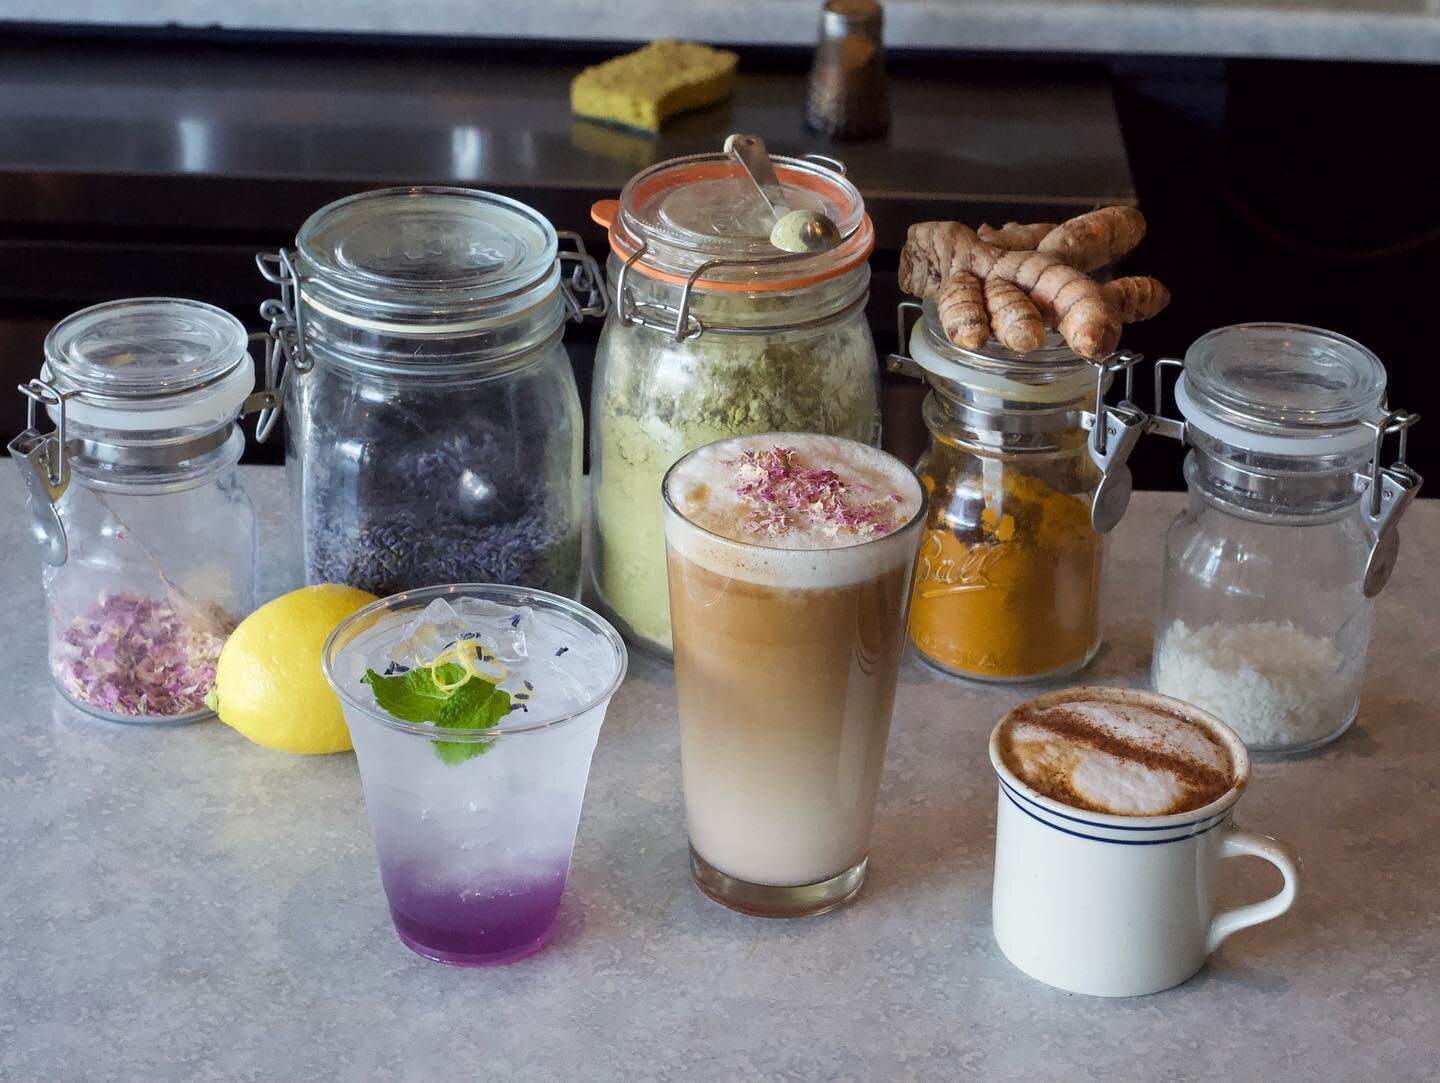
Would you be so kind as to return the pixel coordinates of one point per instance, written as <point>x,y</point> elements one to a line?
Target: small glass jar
<point>1289,533</point>
<point>1007,584</point>
<point>148,536</point>
<point>714,332</point>
<point>433,423</point>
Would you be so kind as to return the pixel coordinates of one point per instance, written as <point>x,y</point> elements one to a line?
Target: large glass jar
<point>1007,584</point>
<point>148,536</point>
<point>1290,531</point>
<point>433,424</point>
<point>714,332</point>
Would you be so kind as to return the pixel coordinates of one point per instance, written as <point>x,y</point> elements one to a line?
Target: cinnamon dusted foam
<point>1122,754</point>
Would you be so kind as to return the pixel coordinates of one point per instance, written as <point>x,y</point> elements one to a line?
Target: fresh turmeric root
<point>1014,317</point>
<point>1136,297</point>
<point>1091,241</point>
<point>1068,299</point>
<point>1015,293</point>
<point>961,306</point>
<point>1015,236</point>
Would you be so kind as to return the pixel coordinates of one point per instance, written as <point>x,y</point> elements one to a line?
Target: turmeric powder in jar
<point>1007,584</point>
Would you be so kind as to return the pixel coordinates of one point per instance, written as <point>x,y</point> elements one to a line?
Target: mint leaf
<point>476,704</point>
<point>415,697</point>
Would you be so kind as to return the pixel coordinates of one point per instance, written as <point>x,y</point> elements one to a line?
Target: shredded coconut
<point>1277,686</point>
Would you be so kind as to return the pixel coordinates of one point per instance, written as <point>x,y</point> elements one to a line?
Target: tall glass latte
<point>789,562</point>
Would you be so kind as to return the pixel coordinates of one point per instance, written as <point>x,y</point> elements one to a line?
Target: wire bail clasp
<point>1114,432</point>
<point>285,338</point>
<point>44,467</point>
<point>678,324</point>
<point>900,362</point>
<point>583,290</point>
<point>1388,492</point>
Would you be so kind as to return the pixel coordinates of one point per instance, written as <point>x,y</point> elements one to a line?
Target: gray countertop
<point>178,904</point>
<point>1396,30</point>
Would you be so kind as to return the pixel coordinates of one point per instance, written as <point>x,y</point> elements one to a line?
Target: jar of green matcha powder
<point>714,332</point>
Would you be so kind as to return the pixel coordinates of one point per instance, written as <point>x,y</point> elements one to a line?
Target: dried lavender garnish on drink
<point>416,511</point>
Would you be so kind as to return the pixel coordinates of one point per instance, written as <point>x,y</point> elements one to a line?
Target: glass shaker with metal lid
<point>715,332</point>
<point>1290,531</point>
<point>134,495</point>
<point>1023,487</point>
<point>433,424</point>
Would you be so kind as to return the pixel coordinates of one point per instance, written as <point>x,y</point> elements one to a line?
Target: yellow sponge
<point>645,88</point>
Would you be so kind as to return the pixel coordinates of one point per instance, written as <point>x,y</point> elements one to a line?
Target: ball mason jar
<point>714,332</point>
<point>1289,533</point>
<point>148,537</point>
<point>1022,492</point>
<point>432,419</point>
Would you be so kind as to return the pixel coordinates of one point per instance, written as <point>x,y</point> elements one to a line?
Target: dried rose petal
<point>783,493</point>
<point>137,656</point>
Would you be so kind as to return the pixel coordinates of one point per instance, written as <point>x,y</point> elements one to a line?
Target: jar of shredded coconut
<point>148,537</point>
<point>1290,532</point>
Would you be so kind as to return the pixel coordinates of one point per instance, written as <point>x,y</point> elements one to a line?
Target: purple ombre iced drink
<point>498,922</point>
<point>474,822</point>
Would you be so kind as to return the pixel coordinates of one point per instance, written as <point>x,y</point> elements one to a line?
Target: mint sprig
<point>415,697</point>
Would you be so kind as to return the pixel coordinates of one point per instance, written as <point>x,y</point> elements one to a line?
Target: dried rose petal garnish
<point>136,656</point>
<point>785,495</point>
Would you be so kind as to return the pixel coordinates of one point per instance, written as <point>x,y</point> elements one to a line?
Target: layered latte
<point>789,565</point>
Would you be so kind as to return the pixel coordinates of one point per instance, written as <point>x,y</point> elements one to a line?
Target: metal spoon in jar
<point>794,231</point>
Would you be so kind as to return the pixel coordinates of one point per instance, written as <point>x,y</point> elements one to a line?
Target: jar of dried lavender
<point>433,424</point>
<point>148,538</point>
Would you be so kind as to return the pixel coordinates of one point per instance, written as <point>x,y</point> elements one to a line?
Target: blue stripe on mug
<point>1095,838</point>
<point>1021,802</point>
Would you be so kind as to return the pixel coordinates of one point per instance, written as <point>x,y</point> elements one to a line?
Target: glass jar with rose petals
<point>134,496</point>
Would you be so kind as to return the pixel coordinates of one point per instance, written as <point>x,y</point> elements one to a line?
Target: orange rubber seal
<point>849,254</point>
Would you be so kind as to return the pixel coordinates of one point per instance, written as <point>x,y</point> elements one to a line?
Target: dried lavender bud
<point>423,512</point>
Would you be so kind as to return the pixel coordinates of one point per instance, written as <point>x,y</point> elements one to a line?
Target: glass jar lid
<point>144,347</point>
<point>1280,387</point>
<point>427,260</point>
<point>677,217</point>
<point>149,363</point>
<point>1052,374</point>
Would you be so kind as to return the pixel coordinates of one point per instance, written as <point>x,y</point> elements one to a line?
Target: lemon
<point>268,682</point>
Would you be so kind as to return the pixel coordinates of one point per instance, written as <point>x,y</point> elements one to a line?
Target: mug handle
<point>1238,843</point>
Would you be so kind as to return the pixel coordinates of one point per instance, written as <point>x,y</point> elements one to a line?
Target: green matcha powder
<point>656,399</point>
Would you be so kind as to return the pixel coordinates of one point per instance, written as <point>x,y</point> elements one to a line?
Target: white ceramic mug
<point>1121,905</point>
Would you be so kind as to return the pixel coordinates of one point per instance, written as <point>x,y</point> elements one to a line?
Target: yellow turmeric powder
<point>1007,586</point>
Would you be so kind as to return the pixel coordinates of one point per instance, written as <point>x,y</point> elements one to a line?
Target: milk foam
<point>1116,756</point>
<point>707,520</point>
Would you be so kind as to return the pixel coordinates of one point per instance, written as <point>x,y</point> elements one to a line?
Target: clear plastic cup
<point>474,847</point>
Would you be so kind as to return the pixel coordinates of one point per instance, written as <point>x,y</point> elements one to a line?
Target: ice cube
<point>569,664</point>
<point>502,626</point>
<point>440,625</point>
<point>425,635</point>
